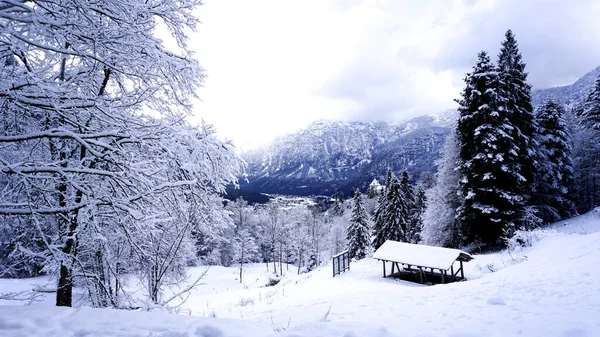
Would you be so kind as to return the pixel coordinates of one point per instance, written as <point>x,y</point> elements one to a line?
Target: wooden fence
<point>341,263</point>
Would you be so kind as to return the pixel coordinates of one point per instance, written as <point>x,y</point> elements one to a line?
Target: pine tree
<point>338,205</point>
<point>554,172</point>
<point>378,218</point>
<point>395,217</point>
<point>486,151</point>
<point>590,112</point>
<point>358,232</point>
<point>515,106</point>
<point>408,194</point>
<point>587,151</point>
<point>416,220</point>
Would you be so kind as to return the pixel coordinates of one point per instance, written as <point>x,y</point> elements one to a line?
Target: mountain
<point>568,95</point>
<point>332,156</point>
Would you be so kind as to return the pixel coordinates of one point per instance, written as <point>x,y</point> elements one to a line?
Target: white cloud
<point>274,66</point>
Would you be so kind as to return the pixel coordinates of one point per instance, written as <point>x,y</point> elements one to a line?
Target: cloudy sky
<point>274,66</point>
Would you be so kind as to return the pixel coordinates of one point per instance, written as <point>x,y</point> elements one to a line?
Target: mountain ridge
<point>334,156</point>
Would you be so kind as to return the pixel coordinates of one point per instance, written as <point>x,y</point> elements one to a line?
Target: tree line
<point>509,166</point>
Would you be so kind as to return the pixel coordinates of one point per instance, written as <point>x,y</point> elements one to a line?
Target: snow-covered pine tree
<point>554,172</point>
<point>487,158</point>
<point>338,205</point>
<point>440,224</point>
<point>395,217</point>
<point>515,107</point>
<point>358,232</point>
<point>378,217</point>
<point>586,151</point>
<point>590,110</point>
<point>408,194</point>
<point>416,218</point>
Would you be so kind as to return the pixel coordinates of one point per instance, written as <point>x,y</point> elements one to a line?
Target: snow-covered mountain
<point>330,156</point>
<point>568,95</point>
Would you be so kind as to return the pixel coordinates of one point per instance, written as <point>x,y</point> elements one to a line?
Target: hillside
<point>548,289</point>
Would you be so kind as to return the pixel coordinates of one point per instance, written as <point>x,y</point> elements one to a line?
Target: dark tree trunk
<point>64,293</point>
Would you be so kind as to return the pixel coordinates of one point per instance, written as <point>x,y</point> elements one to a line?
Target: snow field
<point>549,289</point>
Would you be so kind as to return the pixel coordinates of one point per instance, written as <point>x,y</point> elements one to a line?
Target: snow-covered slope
<point>549,289</point>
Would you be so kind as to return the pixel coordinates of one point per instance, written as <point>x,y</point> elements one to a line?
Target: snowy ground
<point>550,289</point>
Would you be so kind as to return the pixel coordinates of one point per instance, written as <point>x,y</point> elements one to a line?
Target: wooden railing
<point>341,263</point>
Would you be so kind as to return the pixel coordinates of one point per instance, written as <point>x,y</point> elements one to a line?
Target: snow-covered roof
<point>420,255</point>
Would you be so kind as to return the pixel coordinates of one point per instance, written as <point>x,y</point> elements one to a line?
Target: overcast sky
<point>274,66</point>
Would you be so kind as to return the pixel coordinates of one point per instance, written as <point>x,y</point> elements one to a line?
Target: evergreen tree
<point>378,218</point>
<point>358,232</point>
<point>590,111</point>
<point>338,205</point>
<point>515,106</point>
<point>416,220</point>
<point>586,152</point>
<point>408,194</point>
<point>486,151</point>
<point>395,216</point>
<point>554,172</point>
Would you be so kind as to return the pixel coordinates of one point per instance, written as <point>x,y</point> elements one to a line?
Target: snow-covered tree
<point>378,217</point>
<point>338,205</point>
<point>82,164</point>
<point>358,232</point>
<point>245,248</point>
<point>515,106</point>
<point>440,225</point>
<point>586,151</point>
<point>487,158</point>
<point>554,171</point>
<point>314,220</point>
<point>590,110</point>
<point>395,216</point>
<point>416,218</point>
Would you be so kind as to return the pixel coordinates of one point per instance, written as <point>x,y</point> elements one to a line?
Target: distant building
<point>375,189</point>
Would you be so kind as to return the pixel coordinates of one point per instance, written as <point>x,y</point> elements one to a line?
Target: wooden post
<point>421,274</point>
<point>462,273</point>
<point>443,276</point>
<point>452,272</point>
<point>348,258</point>
<point>333,265</point>
<point>383,267</point>
<point>432,277</point>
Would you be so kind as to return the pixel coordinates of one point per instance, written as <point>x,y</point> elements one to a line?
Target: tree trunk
<point>280,259</point>
<point>64,293</point>
<point>299,260</point>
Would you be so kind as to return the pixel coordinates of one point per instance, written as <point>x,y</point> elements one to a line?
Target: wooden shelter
<point>422,263</point>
